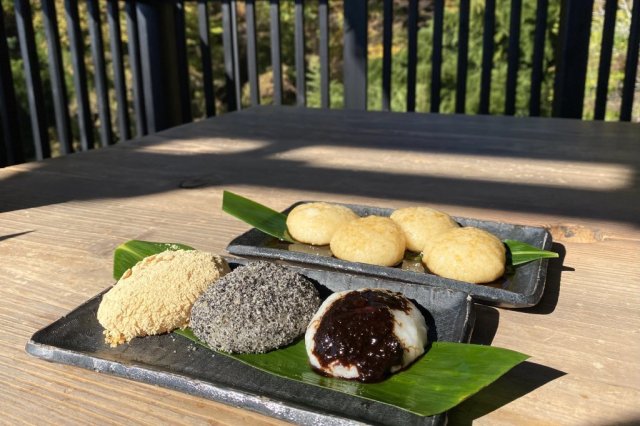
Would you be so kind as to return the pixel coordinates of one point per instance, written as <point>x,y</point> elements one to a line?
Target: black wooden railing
<point>157,57</point>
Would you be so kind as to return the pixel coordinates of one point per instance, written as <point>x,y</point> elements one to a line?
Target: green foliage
<point>449,65</point>
<point>311,32</point>
<point>616,78</point>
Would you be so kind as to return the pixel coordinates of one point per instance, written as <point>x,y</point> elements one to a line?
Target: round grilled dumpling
<point>374,240</point>
<point>420,224</point>
<point>315,223</point>
<point>466,254</point>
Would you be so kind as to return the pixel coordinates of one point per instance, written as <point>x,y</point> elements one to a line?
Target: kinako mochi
<point>316,223</point>
<point>156,295</point>
<point>466,254</point>
<point>374,240</point>
<point>420,224</point>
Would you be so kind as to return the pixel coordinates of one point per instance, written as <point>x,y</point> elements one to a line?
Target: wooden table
<point>61,219</point>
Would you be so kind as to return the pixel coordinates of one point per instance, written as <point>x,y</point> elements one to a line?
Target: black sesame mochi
<point>254,309</point>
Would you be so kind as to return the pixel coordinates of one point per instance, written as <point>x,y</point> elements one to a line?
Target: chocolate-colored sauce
<point>358,330</point>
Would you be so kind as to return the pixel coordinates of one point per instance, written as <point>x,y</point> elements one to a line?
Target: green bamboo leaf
<point>128,254</point>
<point>522,252</point>
<point>257,215</point>
<point>445,376</point>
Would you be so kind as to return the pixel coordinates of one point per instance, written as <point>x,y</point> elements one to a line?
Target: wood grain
<point>61,219</point>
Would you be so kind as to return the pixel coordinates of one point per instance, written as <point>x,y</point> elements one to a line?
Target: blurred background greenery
<point>311,29</point>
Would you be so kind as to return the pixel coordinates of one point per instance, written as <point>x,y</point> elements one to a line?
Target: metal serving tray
<point>174,362</point>
<point>521,289</point>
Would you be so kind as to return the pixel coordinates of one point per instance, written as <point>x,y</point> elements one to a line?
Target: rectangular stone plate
<point>175,362</point>
<point>521,289</point>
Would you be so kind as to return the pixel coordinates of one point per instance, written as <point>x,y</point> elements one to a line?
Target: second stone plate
<point>520,289</point>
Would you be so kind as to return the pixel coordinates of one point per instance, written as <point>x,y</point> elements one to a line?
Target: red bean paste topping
<point>358,330</point>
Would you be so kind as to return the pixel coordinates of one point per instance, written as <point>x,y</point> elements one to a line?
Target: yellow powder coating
<point>421,224</point>
<point>157,294</point>
<point>466,254</point>
<point>374,240</point>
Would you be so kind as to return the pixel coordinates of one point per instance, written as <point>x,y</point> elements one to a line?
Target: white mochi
<point>409,328</point>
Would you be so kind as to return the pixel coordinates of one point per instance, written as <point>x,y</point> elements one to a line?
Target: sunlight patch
<point>512,170</point>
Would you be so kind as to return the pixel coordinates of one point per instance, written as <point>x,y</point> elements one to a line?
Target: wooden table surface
<point>61,219</point>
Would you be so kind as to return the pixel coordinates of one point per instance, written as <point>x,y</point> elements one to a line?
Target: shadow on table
<point>265,148</point>
<point>521,380</point>
<point>552,287</point>
<point>17,234</point>
<point>487,320</point>
<point>633,421</point>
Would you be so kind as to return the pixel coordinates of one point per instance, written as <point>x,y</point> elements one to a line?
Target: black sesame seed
<point>255,309</point>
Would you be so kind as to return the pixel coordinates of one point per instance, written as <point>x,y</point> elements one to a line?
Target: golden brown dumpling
<point>420,224</point>
<point>375,240</point>
<point>466,254</point>
<point>315,223</point>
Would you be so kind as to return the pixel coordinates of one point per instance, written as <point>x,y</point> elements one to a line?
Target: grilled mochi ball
<point>374,240</point>
<point>365,335</point>
<point>315,223</point>
<point>466,254</point>
<point>420,224</point>
<point>254,309</point>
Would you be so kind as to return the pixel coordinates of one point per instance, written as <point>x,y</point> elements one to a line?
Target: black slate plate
<point>175,362</point>
<point>521,289</point>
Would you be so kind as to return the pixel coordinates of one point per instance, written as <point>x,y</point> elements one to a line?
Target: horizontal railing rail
<point>155,65</point>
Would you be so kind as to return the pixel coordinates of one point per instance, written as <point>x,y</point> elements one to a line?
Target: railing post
<point>160,55</point>
<point>35,95</point>
<point>355,54</point>
<point>231,53</point>
<point>572,55</point>
<point>10,145</point>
